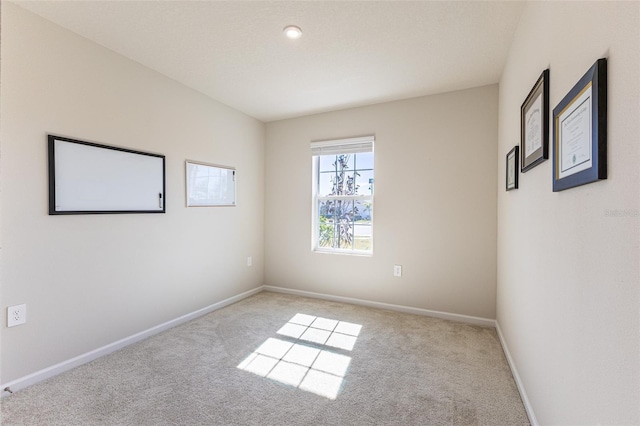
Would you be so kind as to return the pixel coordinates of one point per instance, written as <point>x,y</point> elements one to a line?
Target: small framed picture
<point>580,131</point>
<point>534,124</point>
<point>210,185</point>
<point>512,169</point>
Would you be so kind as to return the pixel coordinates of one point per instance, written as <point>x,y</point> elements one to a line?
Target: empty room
<point>319,212</point>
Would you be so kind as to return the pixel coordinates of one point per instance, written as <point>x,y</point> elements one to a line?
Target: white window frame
<point>336,147</point>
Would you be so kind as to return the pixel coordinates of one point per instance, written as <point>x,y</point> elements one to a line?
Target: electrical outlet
<point>16,315</point>
<point>249,261</point>
<point>397,270</point>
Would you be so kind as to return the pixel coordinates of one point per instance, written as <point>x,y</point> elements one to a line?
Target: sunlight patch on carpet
<point>310,363</point>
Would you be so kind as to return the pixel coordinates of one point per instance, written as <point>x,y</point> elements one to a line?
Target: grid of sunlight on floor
<point>309,367</point>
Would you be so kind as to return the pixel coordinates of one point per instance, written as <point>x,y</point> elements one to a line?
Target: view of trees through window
<point>345,201</point>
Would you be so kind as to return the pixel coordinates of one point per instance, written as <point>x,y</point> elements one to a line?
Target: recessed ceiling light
<point>292,32</point>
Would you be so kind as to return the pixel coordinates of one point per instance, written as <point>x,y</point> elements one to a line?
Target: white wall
<point>90,280</point>
<point>568,274</point>
<point>434,208</point>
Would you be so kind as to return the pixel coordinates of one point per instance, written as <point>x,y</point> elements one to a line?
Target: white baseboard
<point>486,322</point>
<point>426,312</point>
<point>61,367</point>
<point>514,371</point>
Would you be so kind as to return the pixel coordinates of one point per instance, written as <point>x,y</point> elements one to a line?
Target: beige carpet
<point>276,359</point>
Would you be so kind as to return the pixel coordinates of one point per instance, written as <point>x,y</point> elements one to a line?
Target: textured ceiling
<point>351,53</point>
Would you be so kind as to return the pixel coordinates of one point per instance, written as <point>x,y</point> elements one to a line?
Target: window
<point>343,195</point>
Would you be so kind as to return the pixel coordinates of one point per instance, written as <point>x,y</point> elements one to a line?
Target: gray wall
<point>568,271</point>
<point>93,279</point>
<point>434,204</point>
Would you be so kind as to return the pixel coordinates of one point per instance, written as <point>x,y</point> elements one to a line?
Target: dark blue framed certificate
<point>580,131</point>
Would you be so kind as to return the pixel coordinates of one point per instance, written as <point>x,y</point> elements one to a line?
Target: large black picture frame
<point>92,178</point>
<point>580,131</point>
<point>534,124</point>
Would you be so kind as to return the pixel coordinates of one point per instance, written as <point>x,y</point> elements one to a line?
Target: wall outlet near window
<point>397,270</point>
<point>249,261</point>
<point>16,315</point>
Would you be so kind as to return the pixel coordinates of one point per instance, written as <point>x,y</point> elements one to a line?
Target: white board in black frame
<point>91,178</point>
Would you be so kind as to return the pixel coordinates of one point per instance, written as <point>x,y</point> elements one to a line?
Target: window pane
<point>327,163</point>
<point>364,160</point>
<point>362,212</point>
<point>336,223</point>
<point>344,223</point>
<point>337,182</point>
<point>326,225</point>
<point>345,160</point>
<point>363,225</point>
<point>349,186</point>
<point>362,236</point>
<point>364,181</point>
<point>326,183</point>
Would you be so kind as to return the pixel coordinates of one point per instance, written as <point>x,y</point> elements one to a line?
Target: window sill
<point>345,252</point>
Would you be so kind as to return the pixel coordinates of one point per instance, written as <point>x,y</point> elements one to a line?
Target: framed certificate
<point>534,124</point>
<point>512,169</point>
<point>580,131</point>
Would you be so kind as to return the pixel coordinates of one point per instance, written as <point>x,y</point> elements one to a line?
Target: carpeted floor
<point>275,359</point>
